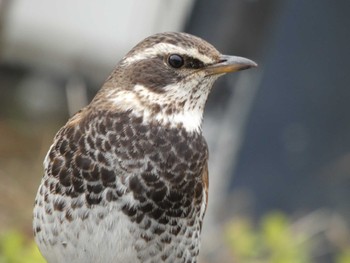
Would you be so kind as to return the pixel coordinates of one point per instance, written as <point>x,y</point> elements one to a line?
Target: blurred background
<point>278,135</point>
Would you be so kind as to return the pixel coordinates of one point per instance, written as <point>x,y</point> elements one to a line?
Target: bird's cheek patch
<point>152,74</point>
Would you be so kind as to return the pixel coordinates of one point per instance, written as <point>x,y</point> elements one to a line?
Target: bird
<point>126,178</point>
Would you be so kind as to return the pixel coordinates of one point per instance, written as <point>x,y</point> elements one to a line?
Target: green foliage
<point>272,242</point>
<point>14,248</point>
<point>344,256</point>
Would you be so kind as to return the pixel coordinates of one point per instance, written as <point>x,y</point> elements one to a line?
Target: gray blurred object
<point>4,4</point>
<point>87,34</point>
<point>74,43</point>
<point>76,94</point>
<point>298,132</point>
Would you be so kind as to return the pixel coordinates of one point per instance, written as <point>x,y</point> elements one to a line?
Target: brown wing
<point>205,178</point>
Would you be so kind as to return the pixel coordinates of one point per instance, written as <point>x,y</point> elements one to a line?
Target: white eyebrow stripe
<point>166,48</point>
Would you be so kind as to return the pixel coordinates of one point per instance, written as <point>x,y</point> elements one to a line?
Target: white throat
<point>189,115</point>
<point>191,120</point>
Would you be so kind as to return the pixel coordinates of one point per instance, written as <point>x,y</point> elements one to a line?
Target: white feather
<point>166,48</point>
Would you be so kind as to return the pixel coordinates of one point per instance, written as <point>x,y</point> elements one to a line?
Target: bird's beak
<point>229,64</point>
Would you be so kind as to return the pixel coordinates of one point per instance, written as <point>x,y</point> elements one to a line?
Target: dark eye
<point>176,61</point>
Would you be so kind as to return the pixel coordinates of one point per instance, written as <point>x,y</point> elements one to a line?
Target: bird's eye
<point>176,61</point>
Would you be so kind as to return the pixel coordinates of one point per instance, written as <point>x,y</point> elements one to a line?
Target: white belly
<point>93,239</point>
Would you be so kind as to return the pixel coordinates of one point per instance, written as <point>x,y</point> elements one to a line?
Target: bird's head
<point>167,77</point>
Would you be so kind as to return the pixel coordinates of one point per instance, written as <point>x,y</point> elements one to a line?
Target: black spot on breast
<point>155,157</point>
<point>159,230</point>
<point>125,142</point>
<point>59,205</point>
<point>111,196</point>
<point>156,108</point>
<point>46,196</point>
<point>72,145</point>
<point>190,223</point>
<point>95,173</point>
<point>169,110</point>
<point>145,237</point>
<point>107,176</point>
<point>69,132</point>
<point>68,155</point>
<point>135,186</point>
<point>158,195</point>
<point>92,199</point>
<point>176,213</point>
<point>118,127</point>
<point>164,256</point>
<point>139,218</point>
<point>172,159</point>
<point>107,146</point>
<point>182,103</point>
<point>83,162</point>
<point>77,173</point>
<point>99,143</point>
<point>70,191</point>
<point>141,129</point>
<point>149,177</point>
<point>58,189</point>
<point>112,139</point>
<point>145,208</point>
<point>134,154</point>
<point>129,131</point>
<point>81,143</point>
<point>77,135</point>
<point>181,147</point>
<point>37,229</point>
<point>198,190</point>
<point>189,186</point>
<point>101,128</point>
<point>187,203</point>
<point>90,142</point>
<point>175,231</point>
<point>102,159</point>
<point>180,168</point>
<point>163,220</point>
<point>175,196</point>
<point>63,147</point>
<point>95,188</point>
<point>165,204</point>
<point>48,210</point>
<point>56,166</point>
<point>156,213</point>
<point>91,176</point>
<point>129,210</point>
<point>69,216</point>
